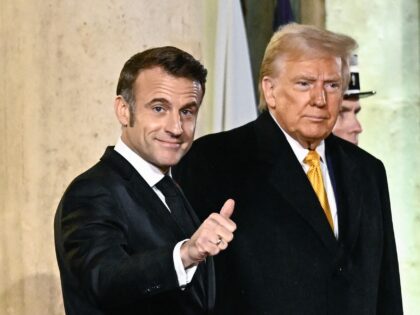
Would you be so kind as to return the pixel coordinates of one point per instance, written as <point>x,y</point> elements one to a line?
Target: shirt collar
<point>300,151</point>
<point>150,173</point>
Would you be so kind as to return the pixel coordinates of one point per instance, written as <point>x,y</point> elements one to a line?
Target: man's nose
<point>318,96</point>
<point>357,127</point>
<point>174,124</point>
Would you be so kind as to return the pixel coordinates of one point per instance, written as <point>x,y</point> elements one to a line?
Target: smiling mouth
<point>170,144</point>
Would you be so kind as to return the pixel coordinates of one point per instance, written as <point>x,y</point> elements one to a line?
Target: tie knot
<point>167,186</point>
<point>312,158</point>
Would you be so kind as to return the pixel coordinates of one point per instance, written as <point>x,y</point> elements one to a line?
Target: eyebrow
<point>344,108</point>
<point>166,102</point>
<point>191,104</point>
<point>304,77</point>
<point>159,99</point>
<point>314,78</point>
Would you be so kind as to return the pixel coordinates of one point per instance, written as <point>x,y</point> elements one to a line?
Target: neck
<point>310,145</point>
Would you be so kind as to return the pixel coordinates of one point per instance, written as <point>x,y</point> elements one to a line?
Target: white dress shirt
<point>301,153</point>
<point>152,175</point>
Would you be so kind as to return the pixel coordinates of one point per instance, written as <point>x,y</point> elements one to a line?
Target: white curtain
<point>232,95</point>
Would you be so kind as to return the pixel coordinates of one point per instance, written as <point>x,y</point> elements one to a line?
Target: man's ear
<point>267,85</point>
<point>122,111</point>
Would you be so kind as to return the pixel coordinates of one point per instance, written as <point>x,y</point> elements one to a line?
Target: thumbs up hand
<point>213,236</point>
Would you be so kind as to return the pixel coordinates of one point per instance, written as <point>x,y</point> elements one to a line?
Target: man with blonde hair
<point>316,233</point>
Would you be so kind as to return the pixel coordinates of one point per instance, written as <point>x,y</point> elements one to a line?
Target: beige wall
<point>59,63</point>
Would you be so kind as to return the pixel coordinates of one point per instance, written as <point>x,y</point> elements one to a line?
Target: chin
<point>316,137</point>
<point>169,162</point>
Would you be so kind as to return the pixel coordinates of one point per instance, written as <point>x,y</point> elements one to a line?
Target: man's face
<point>348,126</point>
<point>164,119</point>
<point>305,98</point>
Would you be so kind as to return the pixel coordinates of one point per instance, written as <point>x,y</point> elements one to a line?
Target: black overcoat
<point>284,258</point>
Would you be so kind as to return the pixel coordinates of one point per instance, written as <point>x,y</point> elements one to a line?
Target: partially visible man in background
<point>348,126</point>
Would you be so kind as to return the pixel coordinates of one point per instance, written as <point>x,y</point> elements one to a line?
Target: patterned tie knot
<point>312,158</point>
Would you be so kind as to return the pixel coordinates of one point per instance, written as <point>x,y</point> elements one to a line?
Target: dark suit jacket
<point>284,258</point>
<point>114,242</point>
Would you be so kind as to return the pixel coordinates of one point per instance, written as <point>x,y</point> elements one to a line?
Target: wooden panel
<point>313,12</point>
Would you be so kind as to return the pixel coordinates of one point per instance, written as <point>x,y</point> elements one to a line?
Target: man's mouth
<point>174,144</point>
<point>316,118</point>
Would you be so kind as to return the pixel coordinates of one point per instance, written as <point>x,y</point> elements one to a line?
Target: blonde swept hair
<point>296,42</point>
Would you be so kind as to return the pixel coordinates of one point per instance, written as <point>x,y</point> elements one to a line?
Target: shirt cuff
<point>184,275</point>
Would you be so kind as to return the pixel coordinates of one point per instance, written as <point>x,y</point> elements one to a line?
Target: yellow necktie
<point>315,177</point>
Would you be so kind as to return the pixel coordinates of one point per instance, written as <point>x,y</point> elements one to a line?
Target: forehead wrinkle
<point>168,97</point>
<point>161,88</point>
<point>282,63</point>
<point>327,77</point>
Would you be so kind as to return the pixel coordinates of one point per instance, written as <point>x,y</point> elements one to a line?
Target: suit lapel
<point>143,193</point>
<point>154,206</point>
<point>348,187</point>
<point>147,199</point>
<point>288,179</point>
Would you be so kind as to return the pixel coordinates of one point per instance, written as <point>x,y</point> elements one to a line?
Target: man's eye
<point>158,108</point>
<point>186,112</point>
<point>191,111</point>
<point>333,86</point>
<point>303,83</point>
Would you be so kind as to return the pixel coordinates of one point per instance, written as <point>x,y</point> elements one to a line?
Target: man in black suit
<point>315,230</point>
<point>127,241</point>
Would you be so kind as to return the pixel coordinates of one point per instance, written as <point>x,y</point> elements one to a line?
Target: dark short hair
<point>172,60</point>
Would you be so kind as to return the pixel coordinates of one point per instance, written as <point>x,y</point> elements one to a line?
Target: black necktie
<point>176,203</point>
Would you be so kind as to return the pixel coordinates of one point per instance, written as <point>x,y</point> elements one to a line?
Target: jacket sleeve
<point>94,244</point>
